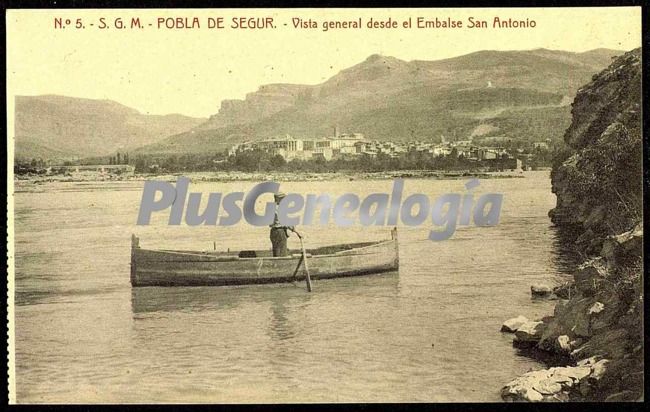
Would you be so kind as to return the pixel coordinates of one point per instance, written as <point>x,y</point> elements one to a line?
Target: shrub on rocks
<point>565,290</point>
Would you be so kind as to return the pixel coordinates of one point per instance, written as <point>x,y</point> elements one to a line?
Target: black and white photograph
<point>346,205</point>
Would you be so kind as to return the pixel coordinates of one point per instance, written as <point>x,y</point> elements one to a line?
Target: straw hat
<point>279,196</point>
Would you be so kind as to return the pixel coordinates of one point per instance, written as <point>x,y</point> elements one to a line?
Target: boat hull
<point>181,268</point>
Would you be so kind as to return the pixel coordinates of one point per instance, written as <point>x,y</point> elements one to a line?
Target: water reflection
<point>566,257</point>
<point>280,326</point>
<point>207,298</point>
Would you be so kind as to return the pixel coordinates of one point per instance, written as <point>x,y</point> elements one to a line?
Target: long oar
<point>295,272</point>
<point>304,260</point>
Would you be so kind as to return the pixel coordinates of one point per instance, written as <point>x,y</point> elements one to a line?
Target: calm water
<point>429,333</point>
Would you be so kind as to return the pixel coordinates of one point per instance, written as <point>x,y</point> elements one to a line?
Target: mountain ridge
<point>518,94</point>
<point>388,98</point>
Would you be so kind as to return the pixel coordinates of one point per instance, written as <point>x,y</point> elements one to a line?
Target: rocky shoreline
<point>597,323</point>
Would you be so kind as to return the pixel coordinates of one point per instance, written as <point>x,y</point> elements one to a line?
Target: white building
<point>345,140</point>
<point>286,146</point>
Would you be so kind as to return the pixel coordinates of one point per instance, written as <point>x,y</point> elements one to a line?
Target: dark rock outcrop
<point>598,181</point>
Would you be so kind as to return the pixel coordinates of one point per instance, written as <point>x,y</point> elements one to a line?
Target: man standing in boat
<point>279,233</point>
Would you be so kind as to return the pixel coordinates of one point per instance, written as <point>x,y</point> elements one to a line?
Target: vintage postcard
<point>324,205</point>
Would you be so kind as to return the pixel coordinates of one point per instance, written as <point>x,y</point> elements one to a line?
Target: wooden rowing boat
<point>191,268</point>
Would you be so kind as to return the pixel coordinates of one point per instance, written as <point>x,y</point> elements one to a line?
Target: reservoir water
<point>426,334</point>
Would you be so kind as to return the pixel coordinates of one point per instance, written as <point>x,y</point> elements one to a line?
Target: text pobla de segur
<point>264,23</point>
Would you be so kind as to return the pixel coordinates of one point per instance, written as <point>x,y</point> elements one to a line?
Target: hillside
<point>59,127</point>
<point>518,94</point>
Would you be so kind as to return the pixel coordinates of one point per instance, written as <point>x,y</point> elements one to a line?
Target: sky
<point>190,71</point>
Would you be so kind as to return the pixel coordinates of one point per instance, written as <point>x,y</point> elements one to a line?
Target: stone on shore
<point>540,290</point>
<point>553,384</point>
<point>511,325</point>
<point>530,332</point>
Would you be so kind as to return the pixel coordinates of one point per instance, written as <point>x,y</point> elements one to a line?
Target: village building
<point>294,148</point>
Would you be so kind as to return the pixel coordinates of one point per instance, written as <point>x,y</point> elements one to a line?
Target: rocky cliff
<point>597,323</point>
<point>598,183</point>
<point>267,101</point>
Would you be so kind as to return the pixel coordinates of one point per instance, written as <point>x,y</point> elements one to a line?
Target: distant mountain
<point>61,127</point>
<point>516,94</point>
